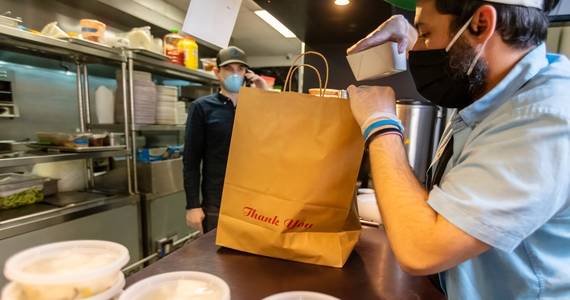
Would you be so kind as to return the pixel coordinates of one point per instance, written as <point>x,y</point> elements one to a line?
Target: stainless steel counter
<point>75,205</point>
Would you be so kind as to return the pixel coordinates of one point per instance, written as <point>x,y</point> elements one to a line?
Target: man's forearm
<point>407,218</point>
<point>424,242</point>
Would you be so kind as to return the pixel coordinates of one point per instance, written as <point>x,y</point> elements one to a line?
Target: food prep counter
<point>371,272</point>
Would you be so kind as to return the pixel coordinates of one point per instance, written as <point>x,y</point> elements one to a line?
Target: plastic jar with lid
<point>171,48</point>
<point>189,48</point>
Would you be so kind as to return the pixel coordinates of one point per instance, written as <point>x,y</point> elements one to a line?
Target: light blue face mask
<point>233,83</point>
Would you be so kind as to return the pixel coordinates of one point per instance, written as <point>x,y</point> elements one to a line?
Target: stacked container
<point>170,111</point>
<point>85,269</point>
<point>144,99</point>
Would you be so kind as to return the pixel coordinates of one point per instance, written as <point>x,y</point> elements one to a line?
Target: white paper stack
<point>145,99</point>
<point>170,111</point>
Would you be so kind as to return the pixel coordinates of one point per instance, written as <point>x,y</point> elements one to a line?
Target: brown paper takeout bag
<point>290,178</point>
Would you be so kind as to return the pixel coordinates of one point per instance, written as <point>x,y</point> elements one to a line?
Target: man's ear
<point>217,72</point>
<point>484,23</point>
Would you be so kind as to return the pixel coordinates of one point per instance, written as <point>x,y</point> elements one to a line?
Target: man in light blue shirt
<point>496,224</point>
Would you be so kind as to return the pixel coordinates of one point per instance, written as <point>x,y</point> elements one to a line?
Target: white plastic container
<point>105,105</point>
<point>66,269</point>
<point>300,295</point>
<point>367,206</point>
<point>377,62</point>
<point>178,286</point>
<point>13,291</point>
<point>53,30</point>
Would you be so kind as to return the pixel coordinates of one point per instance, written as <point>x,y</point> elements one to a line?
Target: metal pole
<point>80,99</point>
<point>87,107</point>
<point>86,95</point>
<point>126,117</point>
<point>133,125</point>
<point>81,108</point>
<point>301,79</point>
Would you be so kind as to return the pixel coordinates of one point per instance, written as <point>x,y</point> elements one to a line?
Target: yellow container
<point>189,48</point>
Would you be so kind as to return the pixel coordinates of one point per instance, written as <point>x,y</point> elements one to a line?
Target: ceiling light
<point>341,2</point>
<point>271,20</point>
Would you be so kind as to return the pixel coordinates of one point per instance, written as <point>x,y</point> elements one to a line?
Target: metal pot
<point>422,124</point>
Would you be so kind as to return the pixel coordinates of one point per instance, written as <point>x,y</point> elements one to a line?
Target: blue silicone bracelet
<point>386,122</point>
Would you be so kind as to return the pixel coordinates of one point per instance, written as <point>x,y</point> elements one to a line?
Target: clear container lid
<point>14,181</point>
<point>296,295</point>
<point>66,262</point>
<point>179,285</point>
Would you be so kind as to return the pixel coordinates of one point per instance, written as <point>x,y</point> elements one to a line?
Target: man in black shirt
<point>208,135</point>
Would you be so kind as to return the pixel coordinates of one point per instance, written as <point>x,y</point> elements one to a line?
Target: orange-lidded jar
<point>171,49</point>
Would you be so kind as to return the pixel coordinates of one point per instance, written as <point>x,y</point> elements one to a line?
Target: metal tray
<point>76,149</point>
<point>86,43</point>
<point>148,53</point>
<point>10,22</point>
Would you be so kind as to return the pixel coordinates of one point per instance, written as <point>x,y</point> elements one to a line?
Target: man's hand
<point>259,82</point>
<point>194,218</point>
<point>369,102</point>
<point>396,29</point>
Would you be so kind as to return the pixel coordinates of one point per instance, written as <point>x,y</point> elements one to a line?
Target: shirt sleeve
<point>510,179</point>
<point>193,153</point>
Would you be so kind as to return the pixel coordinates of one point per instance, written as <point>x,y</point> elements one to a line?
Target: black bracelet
<point>381,132</point>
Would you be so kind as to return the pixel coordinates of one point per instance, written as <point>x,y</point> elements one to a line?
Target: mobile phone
<point>247,81</point>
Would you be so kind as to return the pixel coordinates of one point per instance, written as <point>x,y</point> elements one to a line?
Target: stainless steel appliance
<point>422,122</point>
<point>8,108</point>
<point>161,177</point>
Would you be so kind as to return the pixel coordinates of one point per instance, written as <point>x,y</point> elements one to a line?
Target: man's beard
<point>461,56</point>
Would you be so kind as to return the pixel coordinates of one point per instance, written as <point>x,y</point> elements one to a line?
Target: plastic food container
<point>300,295</point>
<point>92,30</point>
<point>328,93</point>
<point>141,38</point>
<point>50,187</point>
<point>53,30</point>
<point>13,291</point>
<point>71,140</point>
<point>67,270</point>
<point>18,190</point>
<point>189,49</point>
<point>208,64</point>
<point>99,140</point>
<point>116,139</point>
<point>377,62</point>
<point>171,49</point>
<point>179,285</point>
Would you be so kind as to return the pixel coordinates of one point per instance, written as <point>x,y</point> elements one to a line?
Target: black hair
<point>520,27</point>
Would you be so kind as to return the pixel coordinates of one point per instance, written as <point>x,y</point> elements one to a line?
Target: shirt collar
<point>223,98</point>
<point>522,72</point>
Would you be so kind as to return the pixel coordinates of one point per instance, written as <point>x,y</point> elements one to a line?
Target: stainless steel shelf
<point>74,205</point>
<point>18,40</point>
<point>145,63</point>
<point>139,127</point>
<point>42,157</point>
<point>22,40</point>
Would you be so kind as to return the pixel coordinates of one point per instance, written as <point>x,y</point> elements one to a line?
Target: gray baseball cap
<point>231,55</point>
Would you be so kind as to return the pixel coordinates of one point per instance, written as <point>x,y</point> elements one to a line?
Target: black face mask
<point>430,70</point>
